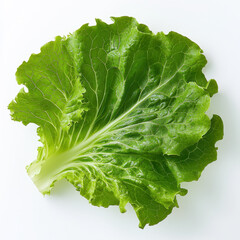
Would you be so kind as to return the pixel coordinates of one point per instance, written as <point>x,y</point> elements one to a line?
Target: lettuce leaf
<point>121,115</point>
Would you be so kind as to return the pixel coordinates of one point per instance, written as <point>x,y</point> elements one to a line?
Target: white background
<point>211,209</point>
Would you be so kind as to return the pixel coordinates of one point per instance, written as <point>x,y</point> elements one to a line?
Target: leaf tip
<point>212,87</point>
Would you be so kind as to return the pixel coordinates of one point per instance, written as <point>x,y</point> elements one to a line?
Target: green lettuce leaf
<point>121,115</point>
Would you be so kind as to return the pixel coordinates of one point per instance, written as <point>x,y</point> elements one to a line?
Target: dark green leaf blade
<point>121,115</point>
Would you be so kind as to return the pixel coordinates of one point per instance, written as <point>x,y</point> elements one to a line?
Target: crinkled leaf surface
<point>121,115</point>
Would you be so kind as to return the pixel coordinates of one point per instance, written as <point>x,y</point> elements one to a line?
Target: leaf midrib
<point>83,146</point>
